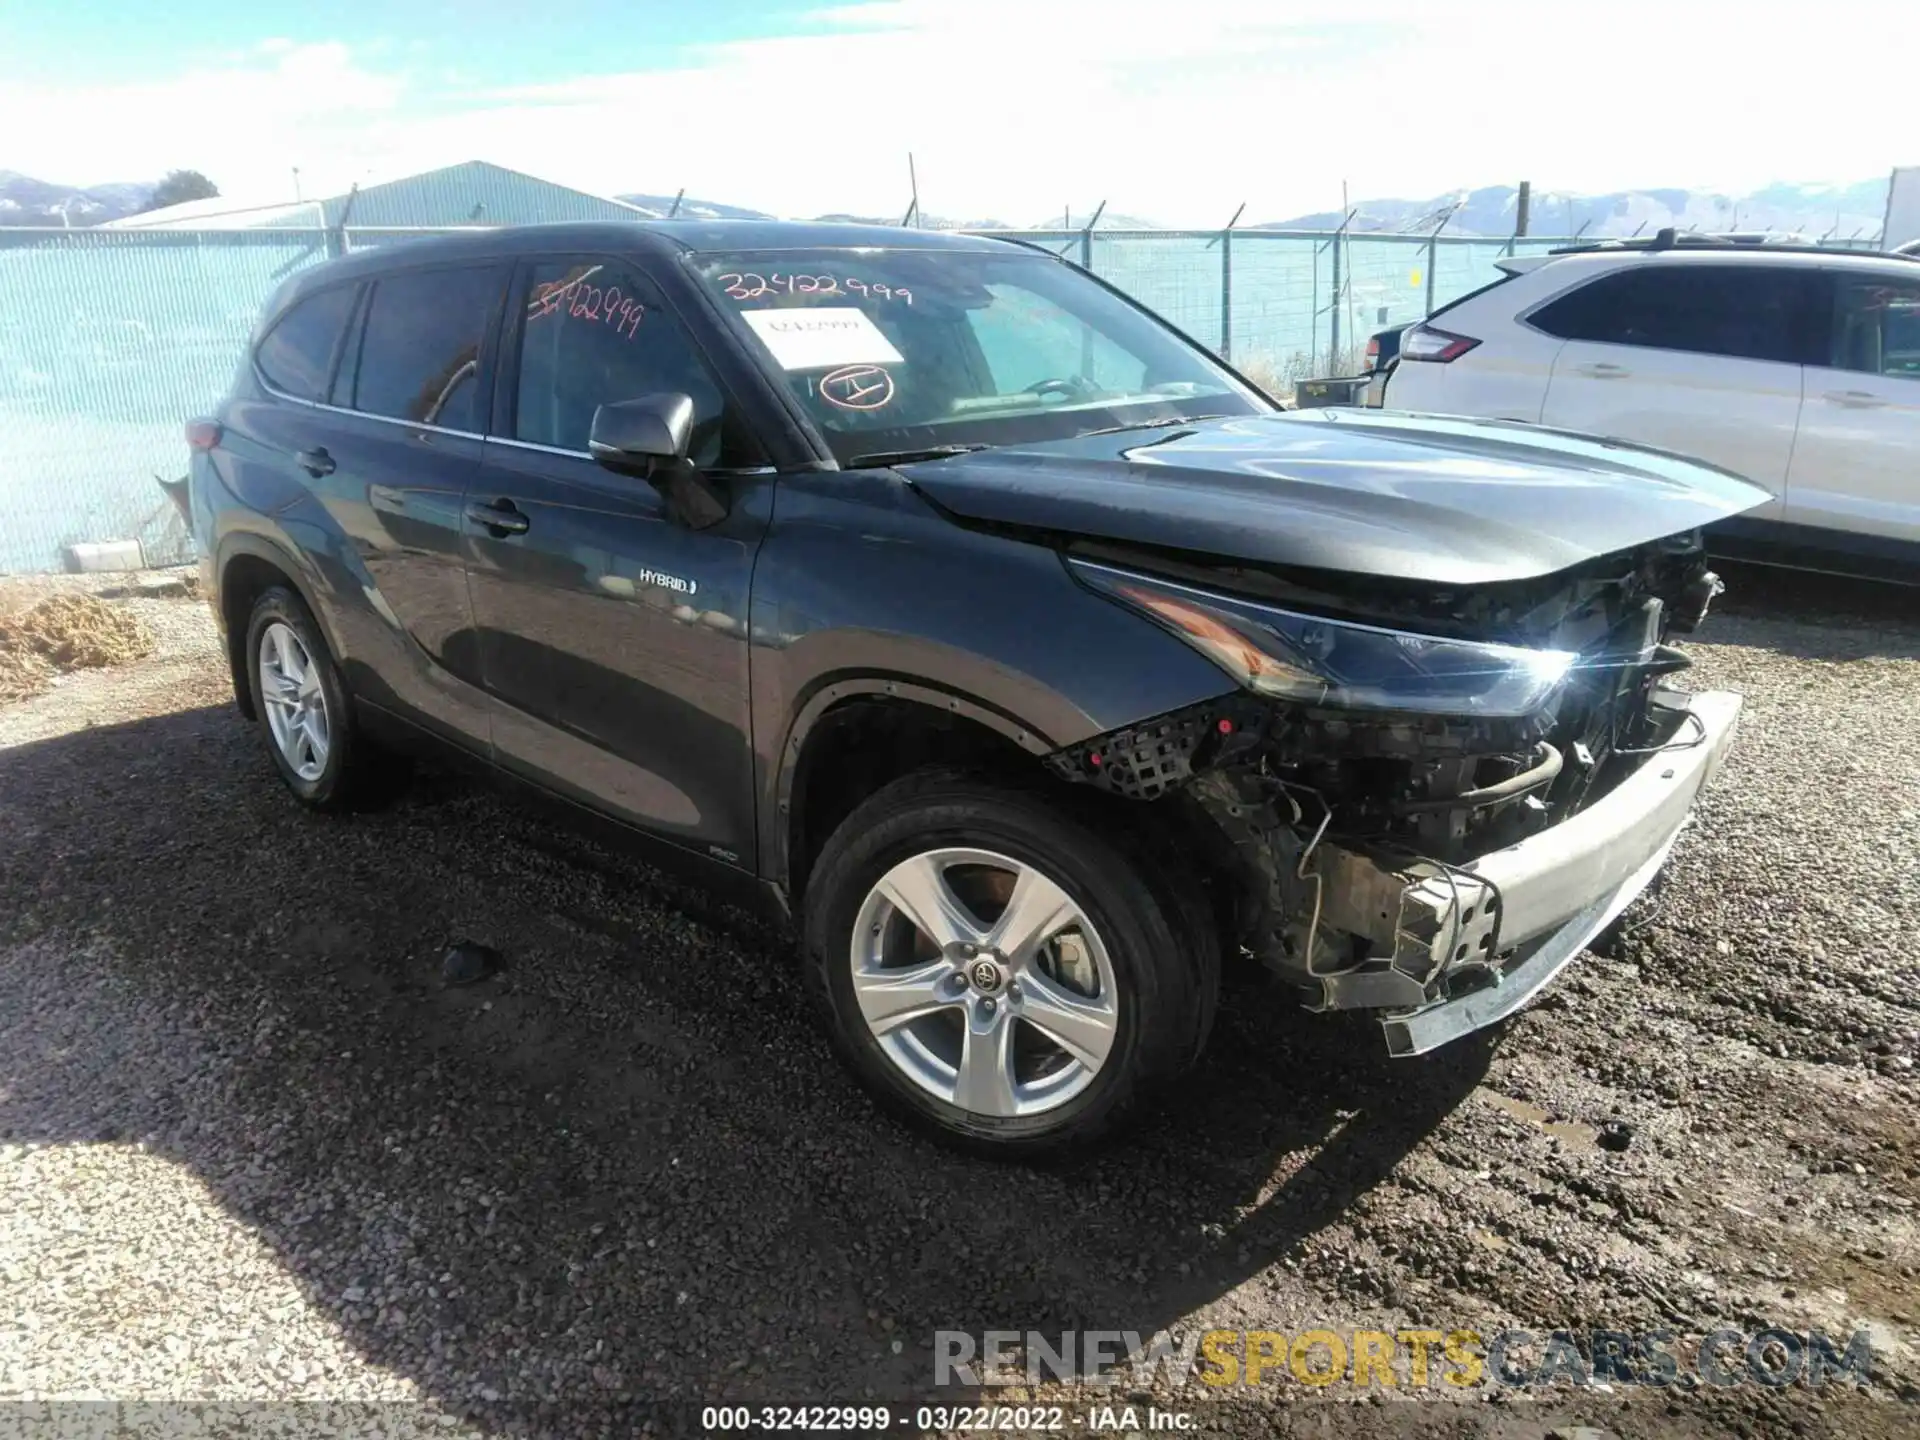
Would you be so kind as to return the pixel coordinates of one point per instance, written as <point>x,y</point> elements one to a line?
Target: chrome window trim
<point>363,414</point>
<point>588,455</point>
<point>487,439</point>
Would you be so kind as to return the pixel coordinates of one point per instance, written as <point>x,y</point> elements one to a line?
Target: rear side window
<point>420,347</point>
<point>1876,326</point>
<point>297,355</point>
<point>1749,312</point>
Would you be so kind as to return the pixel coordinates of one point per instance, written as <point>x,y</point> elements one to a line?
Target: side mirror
<point>649,437</point>
<point>633,435</point>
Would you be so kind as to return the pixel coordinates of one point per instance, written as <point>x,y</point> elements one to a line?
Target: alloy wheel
<point>296,703</point>
<point>984,982</point>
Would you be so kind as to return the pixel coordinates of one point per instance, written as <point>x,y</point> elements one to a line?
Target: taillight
<point>1373,352</point>
<point>1427,342</point>
<point>203,434</point>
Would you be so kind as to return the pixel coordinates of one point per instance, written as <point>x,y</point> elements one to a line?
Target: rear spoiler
<point>1521,264</point>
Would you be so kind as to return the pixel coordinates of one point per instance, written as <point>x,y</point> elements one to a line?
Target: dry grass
<point>62,633</point>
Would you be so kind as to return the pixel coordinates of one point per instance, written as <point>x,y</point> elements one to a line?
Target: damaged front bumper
<point>1457,948</point>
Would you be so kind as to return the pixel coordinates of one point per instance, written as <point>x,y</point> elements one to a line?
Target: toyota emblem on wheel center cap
<point>986,975</point>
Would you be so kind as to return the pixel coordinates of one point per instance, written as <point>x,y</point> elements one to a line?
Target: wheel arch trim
<point>830,695</point>
<point>301,579</point>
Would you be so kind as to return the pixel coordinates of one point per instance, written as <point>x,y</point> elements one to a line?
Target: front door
<point>1857,464</point>
<point>613,638</point>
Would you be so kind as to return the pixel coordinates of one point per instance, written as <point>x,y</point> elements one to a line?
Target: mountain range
<point>1810,210</point>
<point>27,201</point>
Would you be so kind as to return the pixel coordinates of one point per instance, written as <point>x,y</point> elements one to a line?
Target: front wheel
<point>995,971</point>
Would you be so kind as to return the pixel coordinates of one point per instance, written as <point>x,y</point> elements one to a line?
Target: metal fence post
<point>1433,252</point>
<point>1333,305</point>
<point>1086,263</point>
<point>1226,293</point>
<point>1086,237</point>
<point>1226,284</point>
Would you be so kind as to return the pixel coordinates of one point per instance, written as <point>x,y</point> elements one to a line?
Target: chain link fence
<point>111,339</point>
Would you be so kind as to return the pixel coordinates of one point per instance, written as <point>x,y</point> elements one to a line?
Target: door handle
<point>500,517</point>
<point>1601,370</point>
<point>1855,399</point>
<point>316,462</point>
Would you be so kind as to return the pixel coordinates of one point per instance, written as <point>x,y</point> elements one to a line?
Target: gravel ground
<point>251,1148</point>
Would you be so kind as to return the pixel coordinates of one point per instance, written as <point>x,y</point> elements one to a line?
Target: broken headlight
<point>1316,661</point>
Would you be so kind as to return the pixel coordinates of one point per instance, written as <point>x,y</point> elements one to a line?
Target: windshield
<point>905,350</point>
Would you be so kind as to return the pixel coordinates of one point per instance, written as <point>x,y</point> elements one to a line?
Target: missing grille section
<point>1142,762</point>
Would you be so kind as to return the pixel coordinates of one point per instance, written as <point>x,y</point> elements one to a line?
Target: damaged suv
<point>935,594</point>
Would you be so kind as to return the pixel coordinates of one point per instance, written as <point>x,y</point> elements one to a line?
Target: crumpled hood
<point>1417,497</point>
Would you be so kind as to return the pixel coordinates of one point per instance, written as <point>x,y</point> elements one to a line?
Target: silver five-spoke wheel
<point>296,705</point>
<point>984,982</point>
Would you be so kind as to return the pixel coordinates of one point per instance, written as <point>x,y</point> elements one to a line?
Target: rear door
<point>1698,358</point>
<point>1857,464</point>
<point>613,638</point>
<point>403,446</point>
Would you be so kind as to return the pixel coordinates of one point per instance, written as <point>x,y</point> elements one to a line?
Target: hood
<point>1366,492</point>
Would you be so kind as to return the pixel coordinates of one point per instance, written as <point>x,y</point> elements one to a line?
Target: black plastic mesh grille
<point>1142,762</point>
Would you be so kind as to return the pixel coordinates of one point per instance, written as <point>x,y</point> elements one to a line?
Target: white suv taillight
<point>1429,342</point>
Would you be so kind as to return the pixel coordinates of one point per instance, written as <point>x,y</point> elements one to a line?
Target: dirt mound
<point>62,633</point>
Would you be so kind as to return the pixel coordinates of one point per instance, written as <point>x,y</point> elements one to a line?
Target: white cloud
<point>244,120</point>
<point>1017,108</point>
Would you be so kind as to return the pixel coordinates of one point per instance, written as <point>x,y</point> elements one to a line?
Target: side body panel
<point>863,586</point>
<point>1856,466</point>
<point>1503,378</point>
<point>1738,414</point>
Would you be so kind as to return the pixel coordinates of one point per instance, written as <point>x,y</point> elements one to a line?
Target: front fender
<point>862,587</point>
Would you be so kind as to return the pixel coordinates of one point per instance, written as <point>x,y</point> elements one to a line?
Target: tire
<point>306,718</point>
<point>1126,978</point>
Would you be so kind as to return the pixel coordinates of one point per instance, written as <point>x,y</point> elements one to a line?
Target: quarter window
<point>595,333</point>
<point>297,355</point>
<point>420,349</point>
<point>1749,312</point>
<point>1876,326</point>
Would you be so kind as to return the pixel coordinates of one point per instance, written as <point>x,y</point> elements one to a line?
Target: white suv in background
<point>1796,368</point>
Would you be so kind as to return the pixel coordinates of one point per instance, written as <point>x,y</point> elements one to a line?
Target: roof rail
<point>1668,238</point>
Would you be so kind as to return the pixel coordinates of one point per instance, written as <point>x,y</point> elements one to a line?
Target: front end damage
<point>1435,869</point>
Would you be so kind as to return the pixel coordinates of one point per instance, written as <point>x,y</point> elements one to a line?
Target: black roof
<point>659,237</point>
<point>644,236</point>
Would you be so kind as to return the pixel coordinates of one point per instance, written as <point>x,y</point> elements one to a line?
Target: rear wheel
<point>304,712</point>
<point>997,972</point>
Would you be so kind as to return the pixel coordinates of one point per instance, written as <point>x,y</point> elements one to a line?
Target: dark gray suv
<point>945,601</point>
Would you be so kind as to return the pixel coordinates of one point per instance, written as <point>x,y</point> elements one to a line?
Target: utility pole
<point>297,196</point>
<point>1524,211</point>
<point>674,209</point>
<point>913,179</point>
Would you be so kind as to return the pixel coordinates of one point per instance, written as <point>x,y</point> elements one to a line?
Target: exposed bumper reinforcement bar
<point>1560,888</point>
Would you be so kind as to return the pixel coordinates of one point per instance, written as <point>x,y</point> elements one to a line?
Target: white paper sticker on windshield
<point>831,335</point>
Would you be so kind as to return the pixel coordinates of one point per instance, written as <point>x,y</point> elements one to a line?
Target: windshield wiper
<point>904,457</point>
<point>1155,424</point>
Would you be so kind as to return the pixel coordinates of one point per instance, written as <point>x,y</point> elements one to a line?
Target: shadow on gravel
<point>626,1170</point>
<point>1815,617</point>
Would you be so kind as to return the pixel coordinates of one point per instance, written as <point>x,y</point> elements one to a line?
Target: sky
<point>1014,110</point>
